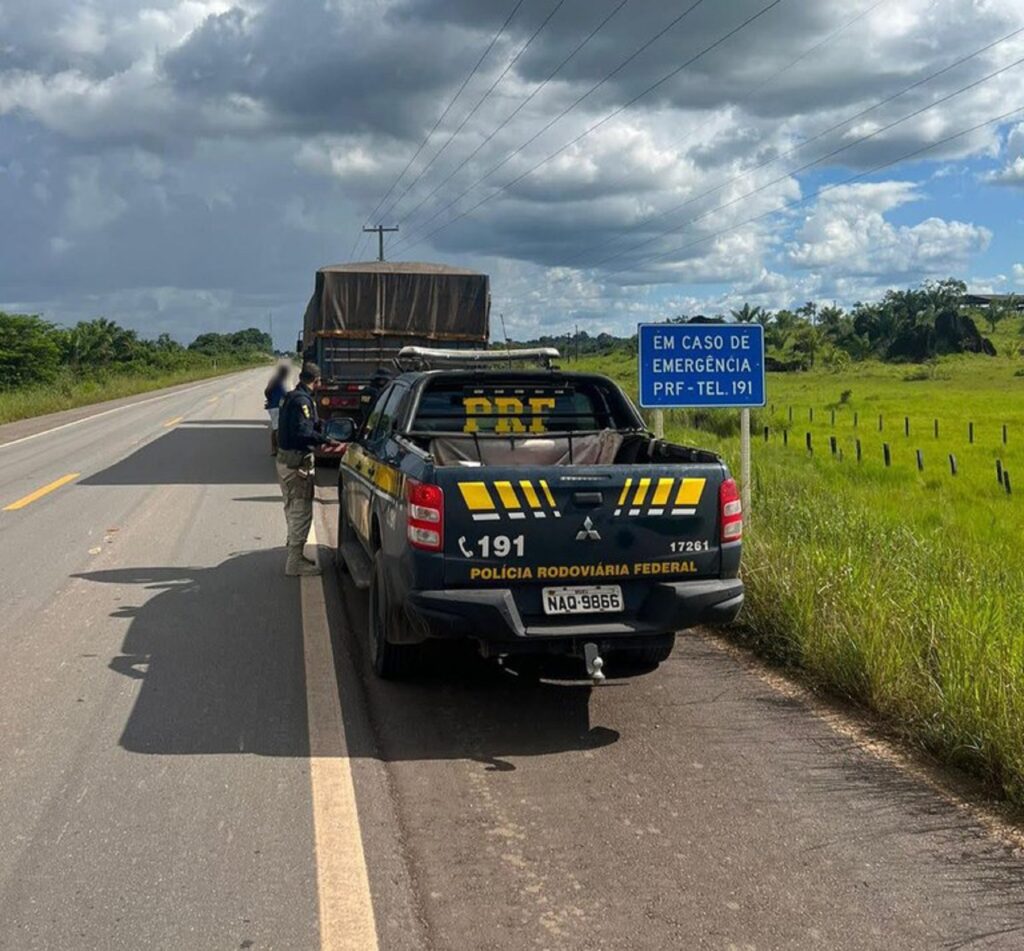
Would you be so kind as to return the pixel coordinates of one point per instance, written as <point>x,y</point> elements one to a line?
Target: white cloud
<point>847,232</point>
<point>224,139</point>
<point>1018,273</point>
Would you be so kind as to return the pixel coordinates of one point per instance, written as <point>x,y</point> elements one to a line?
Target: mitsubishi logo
<point>588,533</point>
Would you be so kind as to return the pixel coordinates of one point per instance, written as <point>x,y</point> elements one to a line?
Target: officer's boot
<point>297,564</point>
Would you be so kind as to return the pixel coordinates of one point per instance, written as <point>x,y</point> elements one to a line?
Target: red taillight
<point>731,509</point>
<point>426,515</point>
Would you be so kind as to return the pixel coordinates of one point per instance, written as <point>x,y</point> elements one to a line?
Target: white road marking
<point>107,412</point>
<point>343,886</point>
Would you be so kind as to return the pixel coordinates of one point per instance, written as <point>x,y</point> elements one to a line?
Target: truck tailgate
<point>583,525</point>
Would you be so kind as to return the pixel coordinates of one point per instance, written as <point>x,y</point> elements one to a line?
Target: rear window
<point>514,409</point>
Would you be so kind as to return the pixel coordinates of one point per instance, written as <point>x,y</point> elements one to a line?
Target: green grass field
<point>902,589</point>
<point>26,402</point>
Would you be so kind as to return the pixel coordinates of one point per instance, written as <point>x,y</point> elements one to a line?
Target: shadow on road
<point>218,654</point>
<point>205,452</point>
<point>459,707</point>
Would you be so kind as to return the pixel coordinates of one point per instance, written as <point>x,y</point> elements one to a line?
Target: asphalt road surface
<point>183,766</point>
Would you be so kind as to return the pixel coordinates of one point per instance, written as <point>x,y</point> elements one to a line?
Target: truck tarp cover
<point>418,300</point>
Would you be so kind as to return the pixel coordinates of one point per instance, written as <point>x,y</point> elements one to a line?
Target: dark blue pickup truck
<point>531,511</point>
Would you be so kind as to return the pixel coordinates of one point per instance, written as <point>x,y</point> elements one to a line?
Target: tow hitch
<point>595,663</point>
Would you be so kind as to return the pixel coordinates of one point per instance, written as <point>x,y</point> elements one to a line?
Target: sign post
<point>689,366</point>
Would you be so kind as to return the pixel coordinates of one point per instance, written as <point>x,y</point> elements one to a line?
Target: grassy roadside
<point>26,402</point>
<point>899,588</point>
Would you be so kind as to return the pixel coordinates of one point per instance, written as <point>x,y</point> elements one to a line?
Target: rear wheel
<point>389,661</point>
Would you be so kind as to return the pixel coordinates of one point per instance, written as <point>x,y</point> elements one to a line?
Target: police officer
<point>299,433</point>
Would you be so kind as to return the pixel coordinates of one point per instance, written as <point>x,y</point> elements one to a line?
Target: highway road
<point>194,756</point>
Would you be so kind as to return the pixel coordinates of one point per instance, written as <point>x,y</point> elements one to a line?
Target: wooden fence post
<point>887,454</point>
<point>970,433</point>
<point>999,471</point>
<point>936,429</point>
<point>920,461</point>
<point>859,451</point>
<point>832,444</point>
<point>809,447</point>
<point>952,464</point>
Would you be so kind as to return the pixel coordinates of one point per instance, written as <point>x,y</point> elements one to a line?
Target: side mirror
<point>342,429</point>
<point>298,345</point>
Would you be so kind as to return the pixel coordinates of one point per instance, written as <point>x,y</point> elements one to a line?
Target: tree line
<point>35,351</point>
<point>906,325</point>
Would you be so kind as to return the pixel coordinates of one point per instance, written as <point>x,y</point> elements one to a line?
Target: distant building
<point>993,300</point>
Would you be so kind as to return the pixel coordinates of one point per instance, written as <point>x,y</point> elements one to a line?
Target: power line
<point>472,112</point>
<point>670,75</point>
<point>629,59</point>
<point>803,168</point>
<point>908,156</point>
<point>440,118</point>
<point>522,105</point>
<point>761,86</point>
<point>817,137</point>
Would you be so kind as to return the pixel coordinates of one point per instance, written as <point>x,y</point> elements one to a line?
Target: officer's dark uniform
<point>299,424</point>
<point>298,435</point>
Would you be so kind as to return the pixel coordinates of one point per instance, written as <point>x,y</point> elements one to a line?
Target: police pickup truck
<point>531,511</point>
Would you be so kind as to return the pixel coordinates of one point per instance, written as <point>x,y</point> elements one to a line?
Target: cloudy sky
<point>184,165</point>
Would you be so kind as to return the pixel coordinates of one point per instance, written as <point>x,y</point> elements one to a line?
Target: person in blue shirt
<point>274,394</point>
<point>299,434</point>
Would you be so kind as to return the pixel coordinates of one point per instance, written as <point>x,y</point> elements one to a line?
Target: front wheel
<point>389,661</point>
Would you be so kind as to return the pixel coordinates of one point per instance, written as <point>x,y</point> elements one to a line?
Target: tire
<point>646,658</point>
<point>343,531</point>
<point>389,661</point>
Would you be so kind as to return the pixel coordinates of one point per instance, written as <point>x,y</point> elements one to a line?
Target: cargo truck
<point>361,315</point>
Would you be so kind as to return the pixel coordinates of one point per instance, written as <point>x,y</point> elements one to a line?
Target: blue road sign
<point>686,365</point>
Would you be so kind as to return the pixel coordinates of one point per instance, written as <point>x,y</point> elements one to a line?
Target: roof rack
<point>425,358</point>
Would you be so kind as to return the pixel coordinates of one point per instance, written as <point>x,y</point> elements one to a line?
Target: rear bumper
<point>490,615</point>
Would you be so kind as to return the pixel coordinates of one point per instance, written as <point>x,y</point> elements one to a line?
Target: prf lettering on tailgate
<point>513,414</point>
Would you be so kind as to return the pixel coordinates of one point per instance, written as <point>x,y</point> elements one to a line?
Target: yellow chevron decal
<point>641,492</point>
<point>532,499</point>
<point>508,495</point>
<point>625,492</point>
<point>662,492</point>
<point>476,496</point>
<point>690,492</point>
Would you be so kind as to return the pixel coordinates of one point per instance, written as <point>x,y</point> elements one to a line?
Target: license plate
<point>594,599</point>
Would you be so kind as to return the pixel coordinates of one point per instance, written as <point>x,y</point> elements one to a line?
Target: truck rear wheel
<point>389,661</point>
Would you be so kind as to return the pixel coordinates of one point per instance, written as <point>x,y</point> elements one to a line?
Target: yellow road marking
<point>173,422</point>
<point>39,493</point>
<point>213,399</point>
<point>343,886</point>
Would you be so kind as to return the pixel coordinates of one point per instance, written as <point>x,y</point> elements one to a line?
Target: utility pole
<point>380,231</point>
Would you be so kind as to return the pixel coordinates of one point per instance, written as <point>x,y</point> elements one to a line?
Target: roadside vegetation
<point>45,368</point>
<point>899,587</point>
